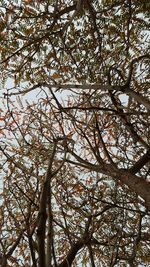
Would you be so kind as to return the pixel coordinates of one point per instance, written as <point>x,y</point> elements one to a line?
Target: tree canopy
<point>74,133</point>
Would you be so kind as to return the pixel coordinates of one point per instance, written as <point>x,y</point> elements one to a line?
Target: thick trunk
<point>137,184</point>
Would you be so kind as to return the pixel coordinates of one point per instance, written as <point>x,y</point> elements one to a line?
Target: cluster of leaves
<point>76,160</point>
<point>52,40</point>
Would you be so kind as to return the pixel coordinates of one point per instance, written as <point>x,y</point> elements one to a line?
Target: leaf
<point>56,75</point>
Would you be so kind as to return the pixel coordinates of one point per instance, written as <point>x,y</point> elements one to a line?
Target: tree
<point>75,133</point>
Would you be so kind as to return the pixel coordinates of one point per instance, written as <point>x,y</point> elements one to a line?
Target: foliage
<point>74,133</point>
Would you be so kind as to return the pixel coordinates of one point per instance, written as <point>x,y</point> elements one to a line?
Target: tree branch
<point>140,163</point>
<point>137,184</point>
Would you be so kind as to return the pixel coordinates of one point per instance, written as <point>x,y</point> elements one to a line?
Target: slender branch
<point>50,228</point>
<point>65,87</point>
<point>103,143</point>
<point>32,250</point>
<point>140,163</point>
<point>42,216</point>
<point>71,254</point>
<point>128,124</point>
<point>77,9</point>
<point>77,246</point>
<point>11,250</point>
<point>131,66</point>
<point>91,256</point>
